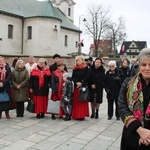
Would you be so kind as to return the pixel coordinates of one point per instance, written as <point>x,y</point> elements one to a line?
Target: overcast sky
<point>135,12</point>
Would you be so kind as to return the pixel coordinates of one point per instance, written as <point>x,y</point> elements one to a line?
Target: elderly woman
<point>80,75</point>
<point>20,79</point>
<point>5,78</point>
<point>39,86</point>
<point>113,81</point>
<point>134,106</point>
<point>96,84</point>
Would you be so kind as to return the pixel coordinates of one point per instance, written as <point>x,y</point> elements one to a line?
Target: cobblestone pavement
<point>29,133</point>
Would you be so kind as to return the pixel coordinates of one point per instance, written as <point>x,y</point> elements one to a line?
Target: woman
<point>57,86</point>
<point>134,106</point>
<point>5,78</point>
<point>39,87</point>
<point>113,81</point>
<point>125,69</point>
<point>96,82</point>
<point>80,75</point>
<point>20,79</point>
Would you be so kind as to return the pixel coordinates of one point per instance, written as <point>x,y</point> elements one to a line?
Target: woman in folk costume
<point>134,106</point>
<point>39,86</point>
<point>5,78</point>
<point>80,75</point>
<point>57,86</point>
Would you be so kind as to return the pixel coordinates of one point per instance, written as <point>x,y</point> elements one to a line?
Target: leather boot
<point>93,113</point>
<point>96,116</point>
<point>7,114</point>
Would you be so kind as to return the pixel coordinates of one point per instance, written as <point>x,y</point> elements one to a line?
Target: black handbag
<point>4,97</point>
<point>31,106</point>
<point>83,94</point>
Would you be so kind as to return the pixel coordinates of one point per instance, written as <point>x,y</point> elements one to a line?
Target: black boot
<point>67,118</point>
<point>53,117</point>
<point>38,116</point>
<point>96,116</point>
<point>93,113</point>
<point>42,115</point>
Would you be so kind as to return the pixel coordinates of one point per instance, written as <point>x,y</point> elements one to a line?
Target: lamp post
<point>79,44</point>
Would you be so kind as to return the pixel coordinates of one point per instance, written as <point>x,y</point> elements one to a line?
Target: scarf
<point>40,74</point>
<point>2,73</point>
<point>82,66</point>
<point>135,100</point>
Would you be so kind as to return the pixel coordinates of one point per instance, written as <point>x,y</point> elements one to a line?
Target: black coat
<point>130,138</point>
<point>80,75</point>
<point>113,83</point>
<point>97,77</point>
<point>53,67</point>
<point>34,84</point>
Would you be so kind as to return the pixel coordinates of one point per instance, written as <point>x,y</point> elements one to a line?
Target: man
<point>123,58</point>
<point>90,61</point>
<point>56,59</point>
<point>134,68</point>
<point>31,64</point>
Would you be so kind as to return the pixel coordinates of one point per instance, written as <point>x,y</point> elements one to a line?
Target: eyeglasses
<point>112,66</point>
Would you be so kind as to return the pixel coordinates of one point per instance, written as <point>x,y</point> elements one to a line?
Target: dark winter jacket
<point>113,83</point>
<point>80,75</point>
<point>96,77</point>
<point>20,77</point>
<point>35,81</point>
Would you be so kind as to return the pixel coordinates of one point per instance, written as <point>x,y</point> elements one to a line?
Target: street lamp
<point>79,43</point>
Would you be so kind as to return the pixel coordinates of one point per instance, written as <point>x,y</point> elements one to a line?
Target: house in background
<point>132,48</point>
<point>104,48</point>
<point>38,28</point>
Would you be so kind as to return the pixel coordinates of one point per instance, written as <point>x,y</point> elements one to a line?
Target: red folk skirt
<point>40,104</point>
<point>80,110</point>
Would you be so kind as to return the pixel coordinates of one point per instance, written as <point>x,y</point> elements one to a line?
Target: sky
<point>135,12</point>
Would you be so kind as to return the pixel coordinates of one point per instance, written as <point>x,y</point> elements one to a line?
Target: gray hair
<point>112,63</point>
<point>144,53</point>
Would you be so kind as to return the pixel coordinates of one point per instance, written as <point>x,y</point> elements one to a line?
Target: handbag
<point>4,97</point>
<point>53,107</point>
<point>83,94</point>
<point>31,106</point>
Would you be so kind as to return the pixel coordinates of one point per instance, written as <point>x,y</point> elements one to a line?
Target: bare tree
<point>116,32</point>
<point>97,24</point>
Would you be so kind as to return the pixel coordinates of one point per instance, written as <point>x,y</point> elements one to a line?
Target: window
<point>66,40</point>
<point>29,32</point>
<point>69,12</point>
<point>10,31</point>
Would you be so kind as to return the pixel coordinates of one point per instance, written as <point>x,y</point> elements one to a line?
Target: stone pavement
<point>29,133</point>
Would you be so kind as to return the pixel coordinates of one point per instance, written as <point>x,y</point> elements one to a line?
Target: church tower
<point>66,6</point>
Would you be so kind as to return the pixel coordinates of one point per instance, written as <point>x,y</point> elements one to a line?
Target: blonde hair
<point>79,57</point>
<point>144,53</point>
<point>18,62</point>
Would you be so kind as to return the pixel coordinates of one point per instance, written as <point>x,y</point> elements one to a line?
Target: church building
<point>39,28</point>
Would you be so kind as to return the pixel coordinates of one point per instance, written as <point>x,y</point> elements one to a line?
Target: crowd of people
<point>33,80</point>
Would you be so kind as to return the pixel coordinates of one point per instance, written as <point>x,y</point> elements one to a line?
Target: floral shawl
<point>135,100</point>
